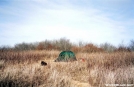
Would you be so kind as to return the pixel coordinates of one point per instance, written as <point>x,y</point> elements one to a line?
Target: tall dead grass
<point>23,69</point>
<point>111,68</point>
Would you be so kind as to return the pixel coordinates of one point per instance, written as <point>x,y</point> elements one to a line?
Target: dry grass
<point>114,68</point>
<point>23,69</point>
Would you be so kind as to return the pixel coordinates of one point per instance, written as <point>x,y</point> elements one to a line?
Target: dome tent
<point>66,56</point>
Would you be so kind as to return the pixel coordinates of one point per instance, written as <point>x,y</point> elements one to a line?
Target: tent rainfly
<point>66,56</point>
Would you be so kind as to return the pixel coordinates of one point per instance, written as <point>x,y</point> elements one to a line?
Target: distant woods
<point>65,44</point>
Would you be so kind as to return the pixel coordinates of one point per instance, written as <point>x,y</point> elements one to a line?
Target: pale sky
<point>96,21</point>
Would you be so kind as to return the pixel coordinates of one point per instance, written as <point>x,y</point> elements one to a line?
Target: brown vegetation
<point>89,48</point>
<point>23,69</point>
<point>113,68</point>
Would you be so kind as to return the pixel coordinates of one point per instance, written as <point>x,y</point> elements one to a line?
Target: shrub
<point>131,45</point>
<point>107,47</point>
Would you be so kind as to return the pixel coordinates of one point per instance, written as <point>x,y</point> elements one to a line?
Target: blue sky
<point>96,21</point>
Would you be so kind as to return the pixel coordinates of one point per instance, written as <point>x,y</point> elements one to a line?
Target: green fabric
<point>66,56</point>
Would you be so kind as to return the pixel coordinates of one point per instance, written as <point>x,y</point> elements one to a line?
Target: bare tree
<point>131,45</point>
<point>108,47</point>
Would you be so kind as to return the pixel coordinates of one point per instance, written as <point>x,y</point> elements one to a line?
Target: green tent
<point>66,56</point>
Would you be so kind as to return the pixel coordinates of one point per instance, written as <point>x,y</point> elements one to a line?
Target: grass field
<point>23,69</point>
